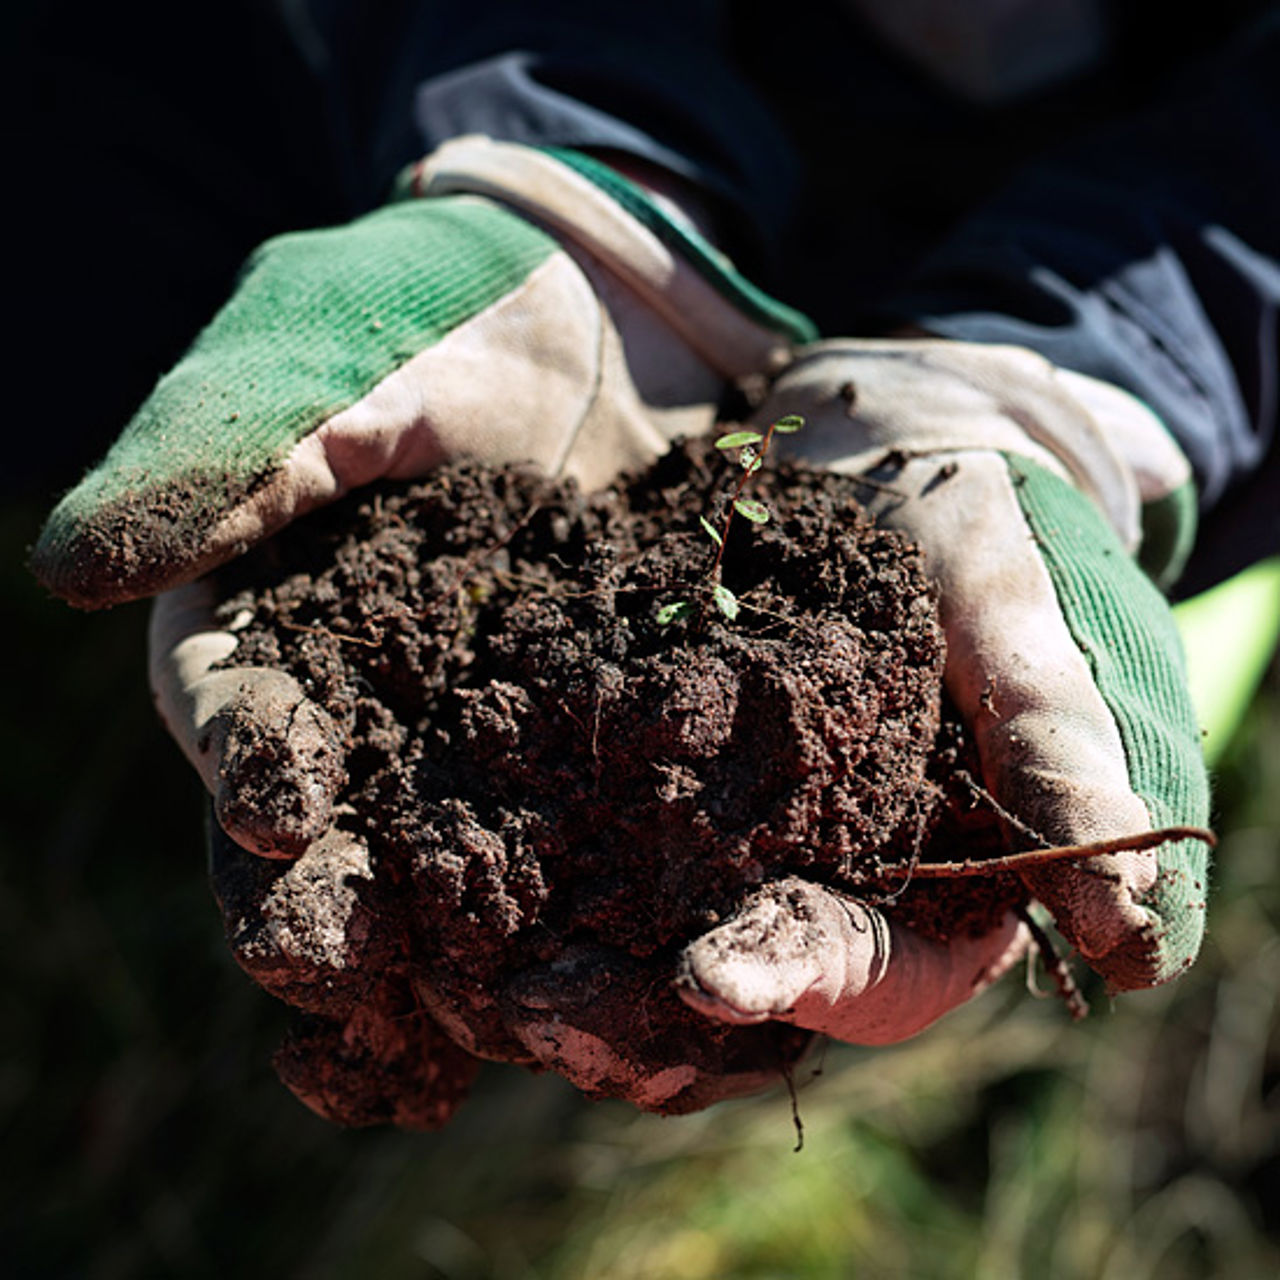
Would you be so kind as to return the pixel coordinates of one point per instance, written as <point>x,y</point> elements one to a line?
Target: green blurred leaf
<point>726,601</point>
<point>738,439</point>
<point>754,511</point>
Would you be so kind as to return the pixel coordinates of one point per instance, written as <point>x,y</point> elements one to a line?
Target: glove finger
<point>226,449</point>
<point>1123,627</point>
<point>306,930</point>
<point>802,954</point>
<point>1031,653</point>
<point>272,760</point>
<point>865,399</point>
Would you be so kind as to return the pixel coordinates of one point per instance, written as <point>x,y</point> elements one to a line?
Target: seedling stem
<point>753,448</point>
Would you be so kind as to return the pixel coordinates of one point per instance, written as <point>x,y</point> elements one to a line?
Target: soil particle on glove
<point>551,793</point>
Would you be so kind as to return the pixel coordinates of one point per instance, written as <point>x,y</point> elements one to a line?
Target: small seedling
<point>752,447</point>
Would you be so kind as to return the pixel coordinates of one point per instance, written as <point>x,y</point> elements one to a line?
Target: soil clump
<point>551,793</point>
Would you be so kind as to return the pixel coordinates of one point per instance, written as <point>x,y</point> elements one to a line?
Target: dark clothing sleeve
<point>654,81</point>
<point>1145,253</point>
<point>1149,255</point>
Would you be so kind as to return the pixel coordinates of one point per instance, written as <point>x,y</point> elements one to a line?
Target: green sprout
<point>752,448</point>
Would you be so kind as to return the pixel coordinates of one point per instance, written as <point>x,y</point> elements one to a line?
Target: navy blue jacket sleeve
<point>654,81</point>
<point>1148,256</point>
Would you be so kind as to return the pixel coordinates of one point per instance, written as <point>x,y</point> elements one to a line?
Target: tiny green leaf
<point>726,601</point>
<point>673,612</point>
<point>785,426</point>
<point>711,531</point>
<point>754,511</point>
<point>736,439</point>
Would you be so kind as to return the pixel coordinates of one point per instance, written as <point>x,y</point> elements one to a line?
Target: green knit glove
<point>530,306</point>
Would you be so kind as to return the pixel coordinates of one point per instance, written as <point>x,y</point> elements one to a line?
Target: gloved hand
<point>526,306</point>
<point>1028,488</point>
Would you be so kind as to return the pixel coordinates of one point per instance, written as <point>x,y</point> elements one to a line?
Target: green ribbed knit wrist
<point>1168,535</point>
<point>682,240</point>
<point>1125,630</point>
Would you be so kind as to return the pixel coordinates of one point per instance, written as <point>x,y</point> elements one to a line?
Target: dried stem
<point>1056,968</point>
<point>1135,843</point>
<point>478,557</point>
<point>743,480</point>
<point>789,1079</point>
<point>1009,819</point>
<point>326,633</point>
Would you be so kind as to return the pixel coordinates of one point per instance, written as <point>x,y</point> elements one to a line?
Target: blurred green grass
<point>144,1132</point>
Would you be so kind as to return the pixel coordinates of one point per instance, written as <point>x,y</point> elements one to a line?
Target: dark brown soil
<point>554,793</point>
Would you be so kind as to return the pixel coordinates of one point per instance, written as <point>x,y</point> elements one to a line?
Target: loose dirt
<point>552,793</point>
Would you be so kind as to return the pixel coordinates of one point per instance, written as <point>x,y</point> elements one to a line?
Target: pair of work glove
<point>526,305</point>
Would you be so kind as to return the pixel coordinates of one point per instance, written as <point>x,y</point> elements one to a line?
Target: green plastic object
<point>1230,634</point>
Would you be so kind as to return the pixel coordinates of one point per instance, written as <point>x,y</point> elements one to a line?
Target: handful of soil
<point>554,792</point>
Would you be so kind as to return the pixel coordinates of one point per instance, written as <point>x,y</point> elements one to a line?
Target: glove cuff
<point>737,328</point>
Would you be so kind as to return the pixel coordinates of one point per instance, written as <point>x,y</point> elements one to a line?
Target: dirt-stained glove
<point>528,305</point>
<point>518,306</point>
<point>799,953</point>
<point>1029,488</point>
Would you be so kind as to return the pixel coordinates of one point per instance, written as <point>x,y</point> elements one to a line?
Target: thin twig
<point>477,558</point>
<point>999,810</point>
<point>1135,843</point>
<point>789,1079</point>
<point>331,635</point>
<point>783,618</point>
<point>917,846</point>
<point>1056,968</point>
